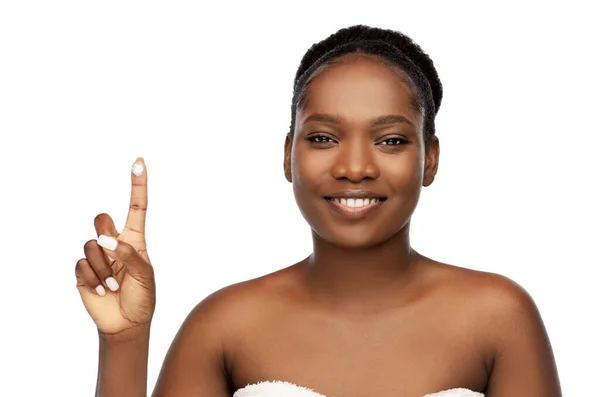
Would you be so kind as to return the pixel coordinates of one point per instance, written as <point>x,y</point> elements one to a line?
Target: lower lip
<point>353,212</point>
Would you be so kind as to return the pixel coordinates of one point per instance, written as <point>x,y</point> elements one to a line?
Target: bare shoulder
<point>509,327</point>
<point>504,308</point>
<point>239,304</point>
<point>487,291</point>
<point>492,301</point>
<point>199,359</point>
<point>498,304</point>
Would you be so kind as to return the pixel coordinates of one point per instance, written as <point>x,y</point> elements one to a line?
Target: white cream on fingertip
<point>107,242</point>
<point>137,169</point>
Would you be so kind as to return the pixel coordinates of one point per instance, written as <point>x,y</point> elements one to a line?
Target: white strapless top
<point>286,389</point>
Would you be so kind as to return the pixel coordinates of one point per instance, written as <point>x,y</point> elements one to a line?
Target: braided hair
<point>390,47</point>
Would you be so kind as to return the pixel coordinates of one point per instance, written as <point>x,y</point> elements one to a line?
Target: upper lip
<point>356,194</point>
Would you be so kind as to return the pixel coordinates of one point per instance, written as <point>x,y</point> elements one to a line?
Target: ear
<point>287,156</point>
<point>432,158</point>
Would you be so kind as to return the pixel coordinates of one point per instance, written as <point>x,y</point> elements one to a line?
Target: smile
<point>355,203</point>
<point>353,207</point>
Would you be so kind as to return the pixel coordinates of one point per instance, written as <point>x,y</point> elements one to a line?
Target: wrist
<point>134,334</point>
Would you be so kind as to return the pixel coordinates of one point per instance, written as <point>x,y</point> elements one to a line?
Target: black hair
<point>389,46</point>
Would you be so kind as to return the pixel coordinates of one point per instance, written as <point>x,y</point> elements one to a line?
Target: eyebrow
<point>377,121</point>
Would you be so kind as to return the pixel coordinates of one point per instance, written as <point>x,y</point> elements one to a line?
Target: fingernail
<point>100,290</point>
<point>111,258</point>
<point>137,169</point>
<point>107,242</point>
<point>112,283</point>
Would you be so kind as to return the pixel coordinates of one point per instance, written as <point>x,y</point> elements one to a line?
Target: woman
<point>364,314</point>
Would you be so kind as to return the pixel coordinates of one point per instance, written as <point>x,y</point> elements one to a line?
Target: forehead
<point>360,88</point>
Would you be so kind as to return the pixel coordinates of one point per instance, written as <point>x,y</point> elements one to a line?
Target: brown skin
<point>364,314</point>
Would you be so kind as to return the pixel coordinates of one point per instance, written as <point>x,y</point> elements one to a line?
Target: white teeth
<point>350,202</point>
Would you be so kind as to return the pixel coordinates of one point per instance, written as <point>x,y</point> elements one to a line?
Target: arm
<point>523,362</point>
<point>123,313</point>
<point>195,363</point>
<point>123,363</point>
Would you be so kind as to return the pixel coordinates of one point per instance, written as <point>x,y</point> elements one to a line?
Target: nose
<point>355,161</point>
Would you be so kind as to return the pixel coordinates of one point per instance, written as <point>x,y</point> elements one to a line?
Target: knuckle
<point>128,252</point>
<point>138,207</point>
<point>80,265</point>
<point>99,217</point>
<point>89,244</point>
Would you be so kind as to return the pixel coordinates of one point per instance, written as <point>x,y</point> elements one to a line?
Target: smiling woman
<point>364,314</point>
<point>366,141</point>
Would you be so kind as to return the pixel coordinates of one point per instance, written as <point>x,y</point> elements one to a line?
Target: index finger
<point>136,218</point>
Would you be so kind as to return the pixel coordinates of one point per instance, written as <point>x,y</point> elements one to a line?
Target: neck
<point>360,276</point>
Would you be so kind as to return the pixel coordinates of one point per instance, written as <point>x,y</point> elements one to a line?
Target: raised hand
<point>116,279</point>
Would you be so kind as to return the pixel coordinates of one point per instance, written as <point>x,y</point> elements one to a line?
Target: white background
<point>203,92</point>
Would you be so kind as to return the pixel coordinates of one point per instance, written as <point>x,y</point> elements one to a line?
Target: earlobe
<point>287,157</point>
<point>432,158</point>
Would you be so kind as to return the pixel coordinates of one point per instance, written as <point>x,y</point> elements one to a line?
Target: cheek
<point>308,174</point>
<point>404,174</point>
<point>308,170</point>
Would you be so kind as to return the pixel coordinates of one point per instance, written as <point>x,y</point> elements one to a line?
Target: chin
<point>351,239</point>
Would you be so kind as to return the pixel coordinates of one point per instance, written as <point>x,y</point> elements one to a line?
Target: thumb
<point>136,218</point>
<point>123,252</point>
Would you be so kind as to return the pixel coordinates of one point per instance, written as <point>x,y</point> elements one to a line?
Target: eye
<point>396,141</point>
<point>320,139</point>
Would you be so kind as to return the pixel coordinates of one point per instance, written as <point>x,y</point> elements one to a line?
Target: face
<point>357,158</point>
